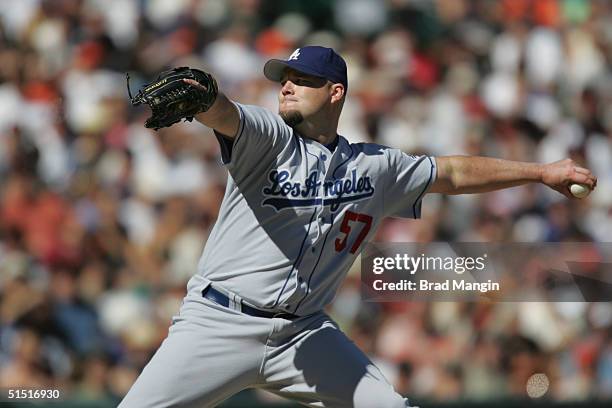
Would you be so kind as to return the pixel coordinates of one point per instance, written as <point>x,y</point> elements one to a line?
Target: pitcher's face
<point>302,96</point>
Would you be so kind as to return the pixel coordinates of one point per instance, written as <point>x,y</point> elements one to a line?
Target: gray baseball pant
<point>212,352</point>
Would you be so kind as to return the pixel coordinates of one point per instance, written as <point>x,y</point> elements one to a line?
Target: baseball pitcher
<point>300,204</point>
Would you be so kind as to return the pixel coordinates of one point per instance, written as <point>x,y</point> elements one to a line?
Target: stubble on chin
<point>292,117</point>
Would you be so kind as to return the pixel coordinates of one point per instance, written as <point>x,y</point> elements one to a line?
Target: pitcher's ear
<point>337,92</point>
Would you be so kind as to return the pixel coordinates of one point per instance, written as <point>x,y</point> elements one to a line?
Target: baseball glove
<point>172,99</point>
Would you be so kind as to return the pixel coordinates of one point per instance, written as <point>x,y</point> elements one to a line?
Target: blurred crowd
<point>102,221</point>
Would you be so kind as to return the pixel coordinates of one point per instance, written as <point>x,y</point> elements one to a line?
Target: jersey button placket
<point>321,207</point>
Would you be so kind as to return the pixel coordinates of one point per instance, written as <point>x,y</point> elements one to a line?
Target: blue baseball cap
<point>313,60</point>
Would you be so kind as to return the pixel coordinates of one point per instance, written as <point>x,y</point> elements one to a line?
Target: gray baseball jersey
<point>295,214</point>
<point>294,217</point>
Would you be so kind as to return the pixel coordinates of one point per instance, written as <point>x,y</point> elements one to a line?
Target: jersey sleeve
<point>261,136</point>
<point>408,178</point>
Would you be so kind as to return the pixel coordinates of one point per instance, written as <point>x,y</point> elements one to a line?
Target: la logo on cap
<point>295,55</point>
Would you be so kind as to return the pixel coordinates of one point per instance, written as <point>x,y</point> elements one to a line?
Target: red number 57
<point>346,229</point>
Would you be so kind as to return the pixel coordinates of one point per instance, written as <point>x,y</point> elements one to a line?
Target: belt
<point>213,294</point>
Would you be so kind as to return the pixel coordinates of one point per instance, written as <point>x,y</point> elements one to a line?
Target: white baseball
<point>537,385</point>
<point>579,190</point>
